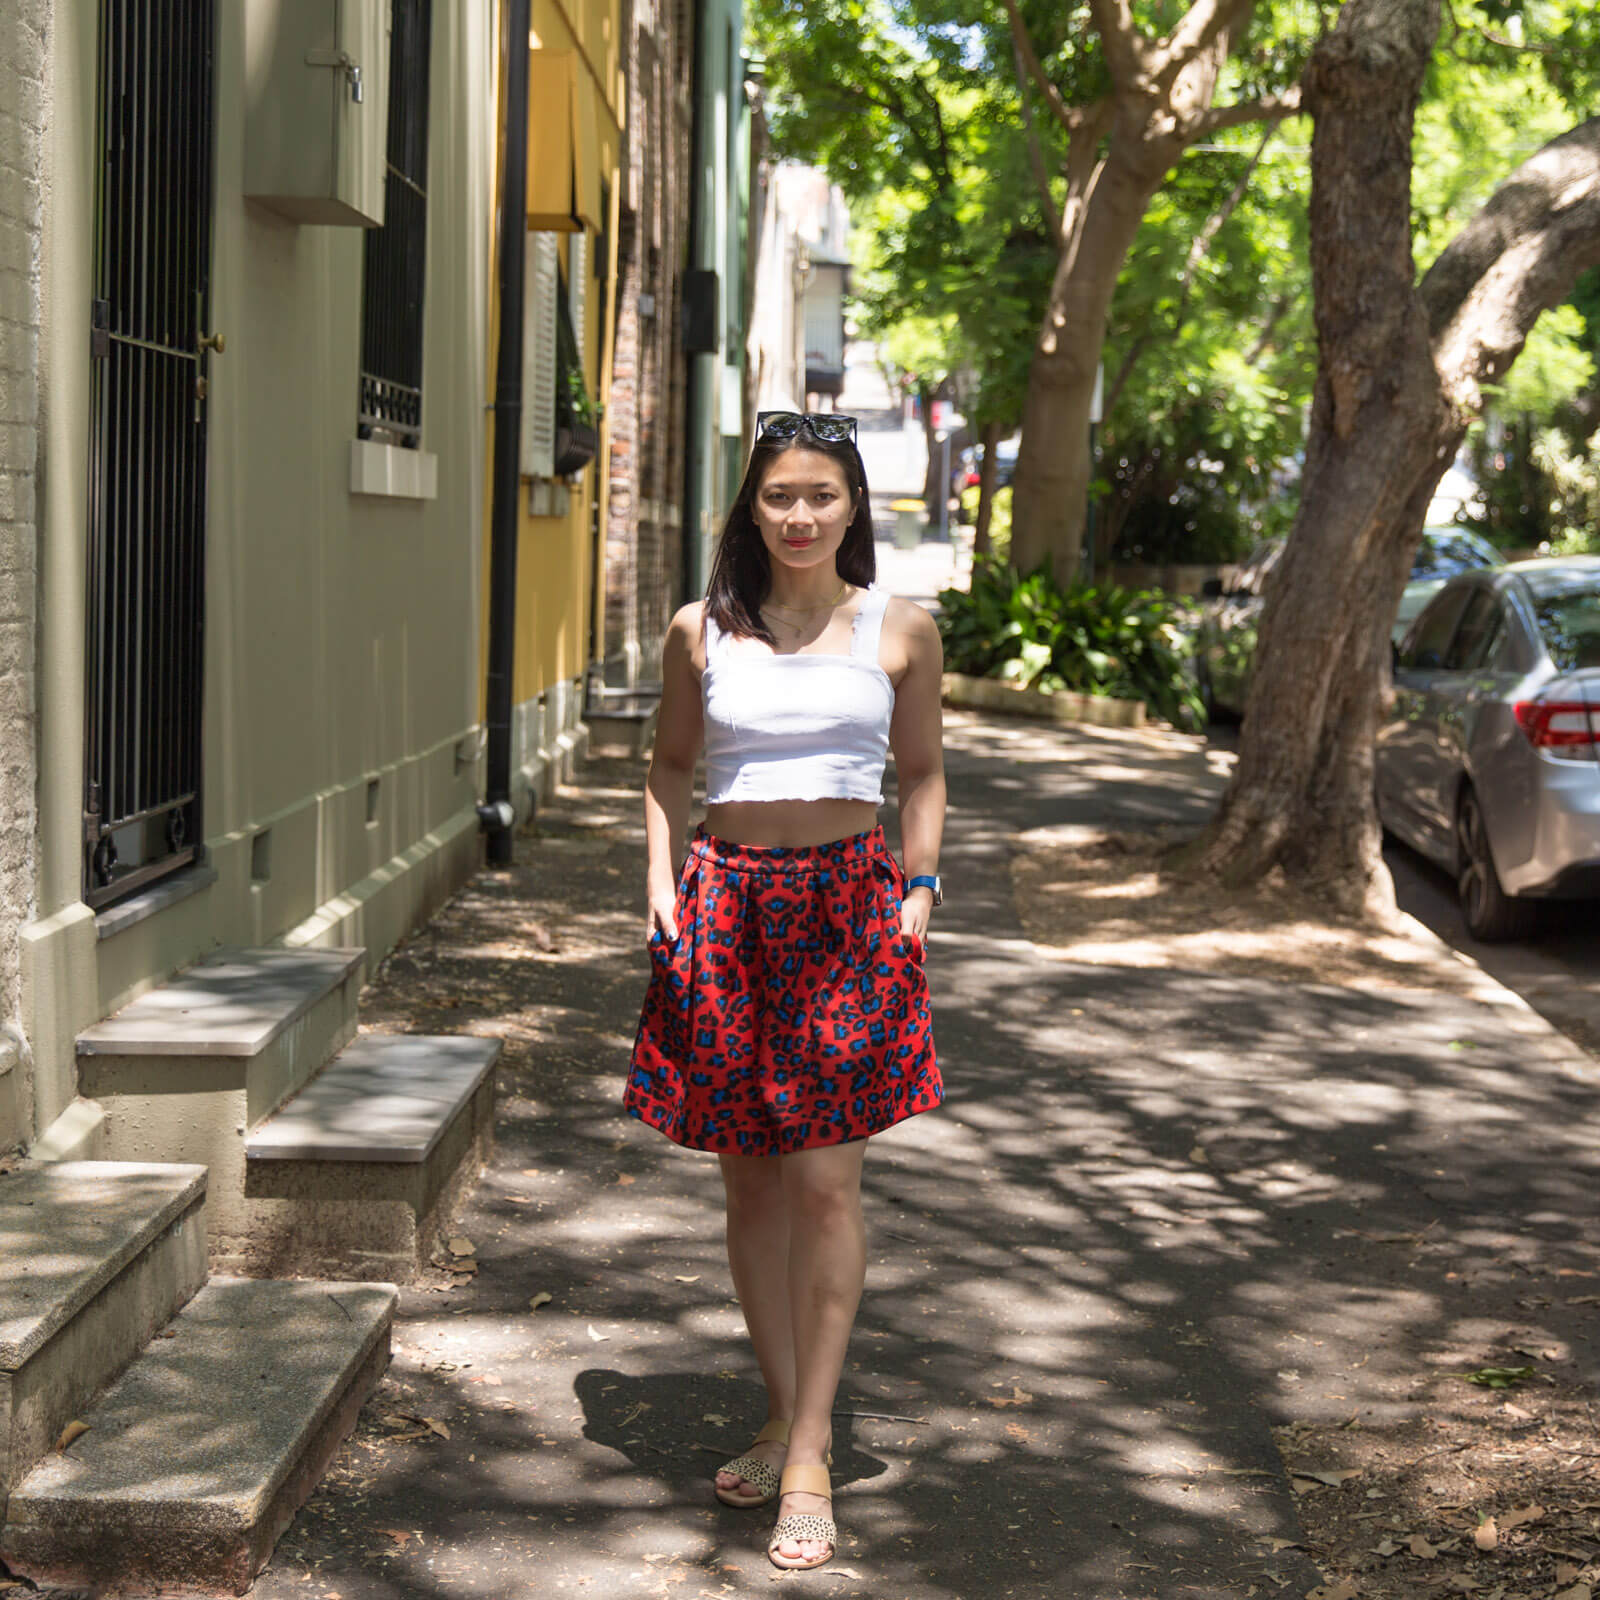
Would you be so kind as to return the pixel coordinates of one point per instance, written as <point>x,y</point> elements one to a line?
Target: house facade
<point>260,304</point>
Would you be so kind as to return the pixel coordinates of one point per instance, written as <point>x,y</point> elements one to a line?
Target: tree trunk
<point>1400,369</point>
<point>986,476</point>
<point>1154,113</point>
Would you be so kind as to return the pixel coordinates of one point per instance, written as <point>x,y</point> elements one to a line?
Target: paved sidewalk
<point>1147,1225</point>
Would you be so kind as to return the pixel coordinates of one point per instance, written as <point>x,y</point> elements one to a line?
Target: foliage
<point>1574,479</point>
<point>1032,631</point>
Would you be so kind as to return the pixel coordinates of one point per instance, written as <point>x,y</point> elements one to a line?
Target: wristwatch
<point>925,881</point>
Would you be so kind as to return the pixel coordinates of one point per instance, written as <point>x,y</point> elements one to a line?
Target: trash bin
<point>910,518</point>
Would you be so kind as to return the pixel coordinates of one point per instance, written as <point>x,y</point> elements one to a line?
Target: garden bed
<point>1062,705</point>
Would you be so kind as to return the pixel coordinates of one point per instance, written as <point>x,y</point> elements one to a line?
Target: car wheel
<point>1492,915</point>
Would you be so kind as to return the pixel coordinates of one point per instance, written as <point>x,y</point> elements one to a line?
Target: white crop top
<point>798,727</point>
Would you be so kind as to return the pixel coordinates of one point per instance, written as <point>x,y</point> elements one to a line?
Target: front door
<point>147,452</point>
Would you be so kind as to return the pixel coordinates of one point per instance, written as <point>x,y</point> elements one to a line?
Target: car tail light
<point>1558,724</point>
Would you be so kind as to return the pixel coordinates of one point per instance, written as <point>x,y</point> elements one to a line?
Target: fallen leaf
<point>1496,1377</point>
<point>1566,1572</point>
<point>543,1298</point>
<point>599,1338</point>
<point>1579,1591</point>
<point>832,1571</point>
<point>679,1278</point>
<point>73,1430</point>
<point>1486,1536</point>
<point>1520,1517</point>
<point>1019,1397</point>
<point>1199,1156</point>
<point>716,1419</point>
<point>1332,1479</point>
<point>1585,1300</point>
<point>460,1245</point>
<point>168,1333</point>
<point>1344,1589</point>
<point>624,1179</point>
<point>1419,1546</point>
<point>1388,1548</point>
<point>399,1535</point>
<point>436,1427</point>
<point>1279,1545</point>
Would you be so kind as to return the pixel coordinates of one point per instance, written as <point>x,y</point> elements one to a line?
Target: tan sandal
<point>754,1470</point>
<point>804,1479</point>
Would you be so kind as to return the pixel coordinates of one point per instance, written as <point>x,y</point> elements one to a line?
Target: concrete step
<point>358,1174</point>
<point>199,1456</point>
<point>98,1255</point>
<point>185,1071</point>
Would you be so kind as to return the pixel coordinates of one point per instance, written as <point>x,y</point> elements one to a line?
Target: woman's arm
<point>916,735</point>
<point>669,789</point>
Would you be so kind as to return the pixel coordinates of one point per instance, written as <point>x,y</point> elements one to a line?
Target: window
<point>397,253</point>
<point>1479,630</point>
<point>1569,622</point>
<point>1430,634</point>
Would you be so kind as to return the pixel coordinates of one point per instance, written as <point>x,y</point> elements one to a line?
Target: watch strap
<point>927,881</point>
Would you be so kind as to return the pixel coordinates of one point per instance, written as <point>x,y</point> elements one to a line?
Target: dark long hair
<point>741,574</point>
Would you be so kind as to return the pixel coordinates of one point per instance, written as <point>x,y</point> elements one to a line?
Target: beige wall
<point>24,28</point>
<point>341,629</point>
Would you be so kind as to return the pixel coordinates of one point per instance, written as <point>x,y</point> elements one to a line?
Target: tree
<point>1129,111</point>
<point>1402,371</point>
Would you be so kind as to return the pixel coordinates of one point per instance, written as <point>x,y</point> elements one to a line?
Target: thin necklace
<point>806,611</point>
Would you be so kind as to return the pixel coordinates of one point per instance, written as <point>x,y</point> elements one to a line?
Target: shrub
<point>1033,632</point>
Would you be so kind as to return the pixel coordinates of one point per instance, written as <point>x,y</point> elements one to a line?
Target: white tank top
<point>798,727</point>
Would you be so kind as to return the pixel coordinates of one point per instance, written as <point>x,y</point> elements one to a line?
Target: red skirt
<point>790,1012</point>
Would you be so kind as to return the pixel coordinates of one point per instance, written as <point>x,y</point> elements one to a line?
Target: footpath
<point>1148,1225</point>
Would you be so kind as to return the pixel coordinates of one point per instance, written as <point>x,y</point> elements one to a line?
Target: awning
<point>563,144</point>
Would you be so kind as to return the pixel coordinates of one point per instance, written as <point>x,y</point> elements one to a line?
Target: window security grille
<point>396,253</point>
<point>147,446</point>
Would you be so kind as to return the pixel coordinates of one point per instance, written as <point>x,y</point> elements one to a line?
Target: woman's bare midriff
<point>790,822</point>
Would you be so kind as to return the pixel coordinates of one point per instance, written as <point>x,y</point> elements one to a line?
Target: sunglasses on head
<point>832,427</point>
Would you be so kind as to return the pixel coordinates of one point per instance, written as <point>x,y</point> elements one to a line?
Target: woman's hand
<point>662,917</point>
<point>915,910</point>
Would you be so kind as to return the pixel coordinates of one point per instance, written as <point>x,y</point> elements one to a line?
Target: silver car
<point>1489,759</point>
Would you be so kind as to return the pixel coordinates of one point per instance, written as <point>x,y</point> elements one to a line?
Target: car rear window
<point>1442,555</point>
<point>1569,623</point>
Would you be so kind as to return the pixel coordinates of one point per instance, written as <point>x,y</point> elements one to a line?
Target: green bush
<point>1032,632</point>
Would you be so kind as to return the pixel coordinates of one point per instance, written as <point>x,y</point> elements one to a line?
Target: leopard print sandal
<point>804,1479</point>
<point>761,1474</point>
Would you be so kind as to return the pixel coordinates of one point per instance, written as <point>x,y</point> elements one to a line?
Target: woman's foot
<point>752,1479</point>
<point>805,1535</point>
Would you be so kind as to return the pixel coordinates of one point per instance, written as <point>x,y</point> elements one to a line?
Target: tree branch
<point>1041,175</point>
<point>1070,117</point>
<point>1269,108</point>
<point>1517,258</point>
<point>1202,25</point>
<point>1122,40</point>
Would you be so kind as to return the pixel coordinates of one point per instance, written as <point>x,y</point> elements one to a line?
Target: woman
<point>787,1018</point>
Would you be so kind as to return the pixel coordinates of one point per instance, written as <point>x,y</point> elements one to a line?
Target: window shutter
<point>578,285</point>
<point>543,279</point>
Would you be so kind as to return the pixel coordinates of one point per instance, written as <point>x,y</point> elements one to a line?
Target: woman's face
<point>803,508</point>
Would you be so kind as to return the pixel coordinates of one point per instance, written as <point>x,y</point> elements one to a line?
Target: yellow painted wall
<point>556,554</point>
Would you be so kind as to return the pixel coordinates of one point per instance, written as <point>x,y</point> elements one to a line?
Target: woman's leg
<point>827,1266</point>
<point>758,1253</point>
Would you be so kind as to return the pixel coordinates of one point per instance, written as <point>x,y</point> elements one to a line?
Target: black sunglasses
<point>832,427</point>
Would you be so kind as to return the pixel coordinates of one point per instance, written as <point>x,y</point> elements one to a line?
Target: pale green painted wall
<point>341,630</point>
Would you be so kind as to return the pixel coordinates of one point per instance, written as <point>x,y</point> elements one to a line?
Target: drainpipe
<point>692,577</point>
<point>496,814</point>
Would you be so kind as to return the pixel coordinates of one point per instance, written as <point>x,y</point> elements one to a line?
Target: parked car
<point>1488,760</point>
<point>1225,639</point>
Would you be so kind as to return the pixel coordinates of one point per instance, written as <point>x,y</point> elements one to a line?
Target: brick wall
<point>644,536</point>
<point>24,26</point>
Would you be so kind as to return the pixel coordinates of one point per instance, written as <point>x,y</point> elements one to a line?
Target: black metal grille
<point>396,253</point>
<point>147,447</point>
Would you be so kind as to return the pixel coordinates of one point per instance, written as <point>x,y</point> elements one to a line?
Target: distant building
<point>802,275</point>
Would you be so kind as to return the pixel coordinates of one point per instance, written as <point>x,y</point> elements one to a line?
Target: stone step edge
<point>113,1035</point>
<point>14,1353</point>
<point>271,1140</point>
<point>131,1543</point>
